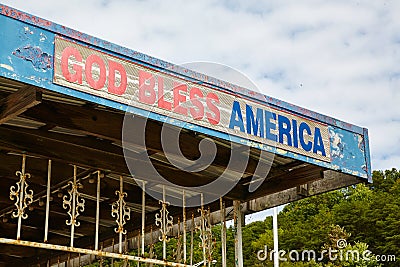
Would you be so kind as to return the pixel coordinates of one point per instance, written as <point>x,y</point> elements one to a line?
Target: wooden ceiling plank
<point>18,102</point>
<point>287,180</point>
<point>50,146</point>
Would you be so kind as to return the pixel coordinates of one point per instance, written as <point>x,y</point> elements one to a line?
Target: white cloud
<point>340,58</point>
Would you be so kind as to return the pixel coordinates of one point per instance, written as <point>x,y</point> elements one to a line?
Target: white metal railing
<point>74,203</point>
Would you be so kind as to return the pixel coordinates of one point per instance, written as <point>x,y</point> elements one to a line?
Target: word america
<point>266,122</point>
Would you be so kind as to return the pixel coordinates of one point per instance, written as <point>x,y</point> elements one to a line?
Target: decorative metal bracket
<point>75,205</point>
<point>23,197</point>
<point>165,222</point>
<point>205,233</point>
<point>121,212</point>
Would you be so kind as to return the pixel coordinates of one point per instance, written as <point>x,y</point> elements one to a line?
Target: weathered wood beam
<point>331,181</point>
<point>287,180</point>
<point>17,103</point>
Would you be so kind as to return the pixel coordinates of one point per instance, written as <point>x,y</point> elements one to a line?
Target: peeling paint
<point>348,152</point>
<point>39,59</point>
<point>337,146</point>
<point>360,142</point>
<point>7,67</point>
<point>42,37</point>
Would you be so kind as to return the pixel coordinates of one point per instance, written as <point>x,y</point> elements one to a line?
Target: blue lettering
<point>304,126</point>
<point>236,113</point>
<point>284,129</point>
<point>318,143</point>
<point>256,124</point>
<point>295,139</point>
<point>270,125</point>
<point>290,132</point>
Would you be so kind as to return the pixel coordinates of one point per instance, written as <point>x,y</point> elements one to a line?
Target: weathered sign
<point>94,72</point>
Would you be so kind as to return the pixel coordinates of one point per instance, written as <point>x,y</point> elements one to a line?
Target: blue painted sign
<point>110,77</point>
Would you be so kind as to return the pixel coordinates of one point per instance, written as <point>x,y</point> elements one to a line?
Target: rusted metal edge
<point>89,251</point>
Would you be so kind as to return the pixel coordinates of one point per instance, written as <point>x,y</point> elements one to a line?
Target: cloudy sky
<point>339,58</point>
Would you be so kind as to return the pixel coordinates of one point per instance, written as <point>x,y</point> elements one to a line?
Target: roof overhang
<point>45,114</point>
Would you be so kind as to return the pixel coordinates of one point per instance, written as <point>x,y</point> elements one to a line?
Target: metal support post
<point>237,217</point>
<point>143,214</point>
<point>164,238</point>
<point>191,240</point>
<point>203,235</point>
<point>184,224</point>
<point>112,251</point>
<point>96,241</point>
<point>275,233</point>
<point>151,249</point>
<point>223,232</point>
<point>46,222</point>
<point>138,247</point>
<point>178,250</point>
<point>210,244</point>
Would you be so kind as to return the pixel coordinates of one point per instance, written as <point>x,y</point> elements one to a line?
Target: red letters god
<point>97,83</point>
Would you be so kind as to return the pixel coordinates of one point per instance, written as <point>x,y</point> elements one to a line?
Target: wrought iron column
<point>121,212</point>
<point>205,233</point>
<point>74,205</point>
<point>165,222</point>
<point>23,196</point>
